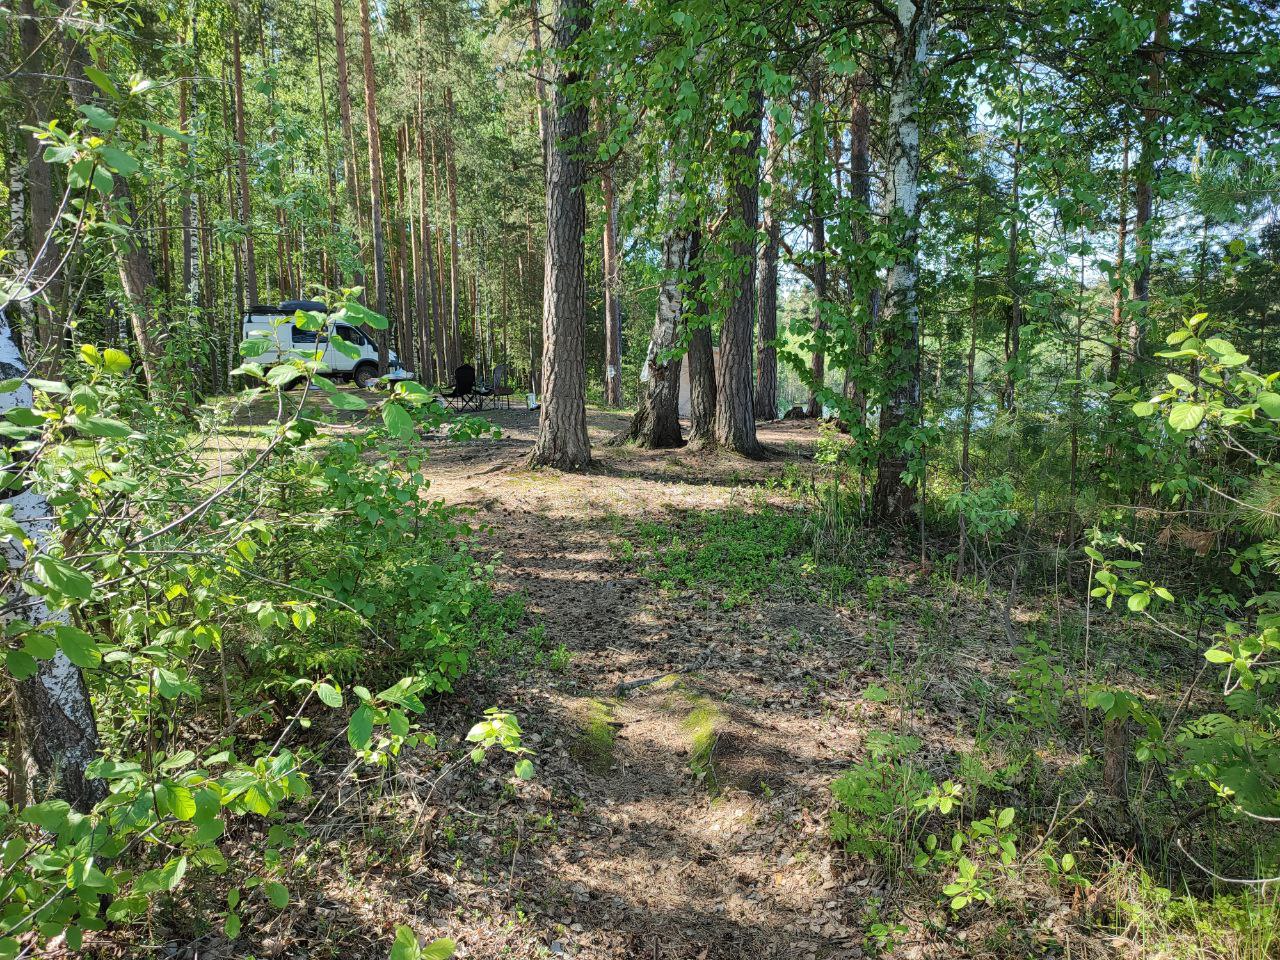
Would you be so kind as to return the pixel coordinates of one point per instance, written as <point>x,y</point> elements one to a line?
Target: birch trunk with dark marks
<point>766,395</point>
<point>59,733</point>
<point>893,496</point>
<point>702,364</point>
<point>735,401</point>
<point>656,422</point>
<point>562,435</point>
<point>16,239</point>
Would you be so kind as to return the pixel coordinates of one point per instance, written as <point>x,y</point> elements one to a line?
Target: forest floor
<point>685,818</point>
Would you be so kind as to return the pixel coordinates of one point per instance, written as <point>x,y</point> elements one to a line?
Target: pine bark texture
<point>562,436</point>
<point>735,417</point>
<point>375,180</point>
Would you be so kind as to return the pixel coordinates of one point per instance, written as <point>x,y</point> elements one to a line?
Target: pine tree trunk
<point>375,180</point>
<point>58,730</point>
<point>355,188</point>
<point>1118,298</point>
<point>1144,182</point>
<point>735,418</point>
<point>451,189</point>
<point>45,252</point>
<point>562,437</point>
<point>766,393</point>
<point>242,161</point>
<point>894,496</point>
<point>702,365</point>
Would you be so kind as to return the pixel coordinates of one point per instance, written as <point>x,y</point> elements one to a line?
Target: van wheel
<point>365,376</point>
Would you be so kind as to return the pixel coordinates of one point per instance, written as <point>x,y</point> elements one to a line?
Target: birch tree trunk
<point>562,436</point>
<point>1144,182</point>
<point>656,422</point>
<point>735,418</point>
<point>893,496</point>
<point>766,394</point>
<point>55,715</point>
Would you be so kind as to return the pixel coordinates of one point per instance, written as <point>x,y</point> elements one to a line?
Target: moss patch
<point>593,746</point>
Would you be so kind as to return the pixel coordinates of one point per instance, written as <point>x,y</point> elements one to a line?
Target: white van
<point>269,323</point>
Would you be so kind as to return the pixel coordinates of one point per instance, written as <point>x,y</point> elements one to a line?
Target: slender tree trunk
<point>970,362</point>
<point>818,231</point>
<point>1118,297</point>
<point>702,365</point>
<point>1144,181</point>
<point>45,253</point>
<point>735,417</point>
<point>656,422</point>
<point>612,308</point>
<point>1013,320</point>
<point>865,290</point>
<point>375,179</point>
<point>894,494</point>
<point>766,391</point>
<point>16,240</point>
<point>562,436</point>
<point>540,84</point>
<point>58,729</point>
<point>451,189</point>
<point>242,160</point>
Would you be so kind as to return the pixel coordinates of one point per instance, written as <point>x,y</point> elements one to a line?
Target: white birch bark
<point>893,497</point>
<point>58,729</point>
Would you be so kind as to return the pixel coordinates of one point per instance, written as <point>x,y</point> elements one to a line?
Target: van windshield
<point>350,334</point>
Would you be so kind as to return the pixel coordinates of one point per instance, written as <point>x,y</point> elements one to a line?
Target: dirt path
<point>685,818</point>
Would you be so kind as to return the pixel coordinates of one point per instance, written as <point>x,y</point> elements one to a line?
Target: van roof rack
<point>289,306</point>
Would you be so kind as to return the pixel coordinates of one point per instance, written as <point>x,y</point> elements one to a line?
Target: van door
<point>338,362</point>
<point>266,326</point>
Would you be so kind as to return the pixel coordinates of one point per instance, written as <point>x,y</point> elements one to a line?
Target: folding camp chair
<point>462,394</point>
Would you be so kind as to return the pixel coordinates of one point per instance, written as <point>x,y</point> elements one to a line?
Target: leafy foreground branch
<point>182,625</point>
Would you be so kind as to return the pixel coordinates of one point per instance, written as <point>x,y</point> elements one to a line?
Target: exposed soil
<point>685,817</point>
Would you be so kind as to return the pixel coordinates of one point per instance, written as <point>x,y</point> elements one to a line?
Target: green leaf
<point>1143,408</point>
<point>40,645</point>
<point>1269,402</point>
<point>524,769</point>
<point>283,375</point>
<point>21,665</point>
<point>360,729</point>
<point>49,815</point>
<point>347,401</point>
<point>231,926</point>
<point>399,423</point>
<point>405,946</point>
<point>1005,818</point>
<point>1218,655</point>
<point>1186,416</point>
<point>78,646</point>
<point>1139,602</point>
<point>349,350</point>
<point>98,117</point>
<point>102,81</point>
<point>100,427</point>
<point>169,132</point>
<point>278,894</point>
<point>329,695</point>
<point>177,800</point>
<point>441,949</point>
<point>119,161</point>
<point>359,313</point>
<point>63,578</point>
<point>115,361</point>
